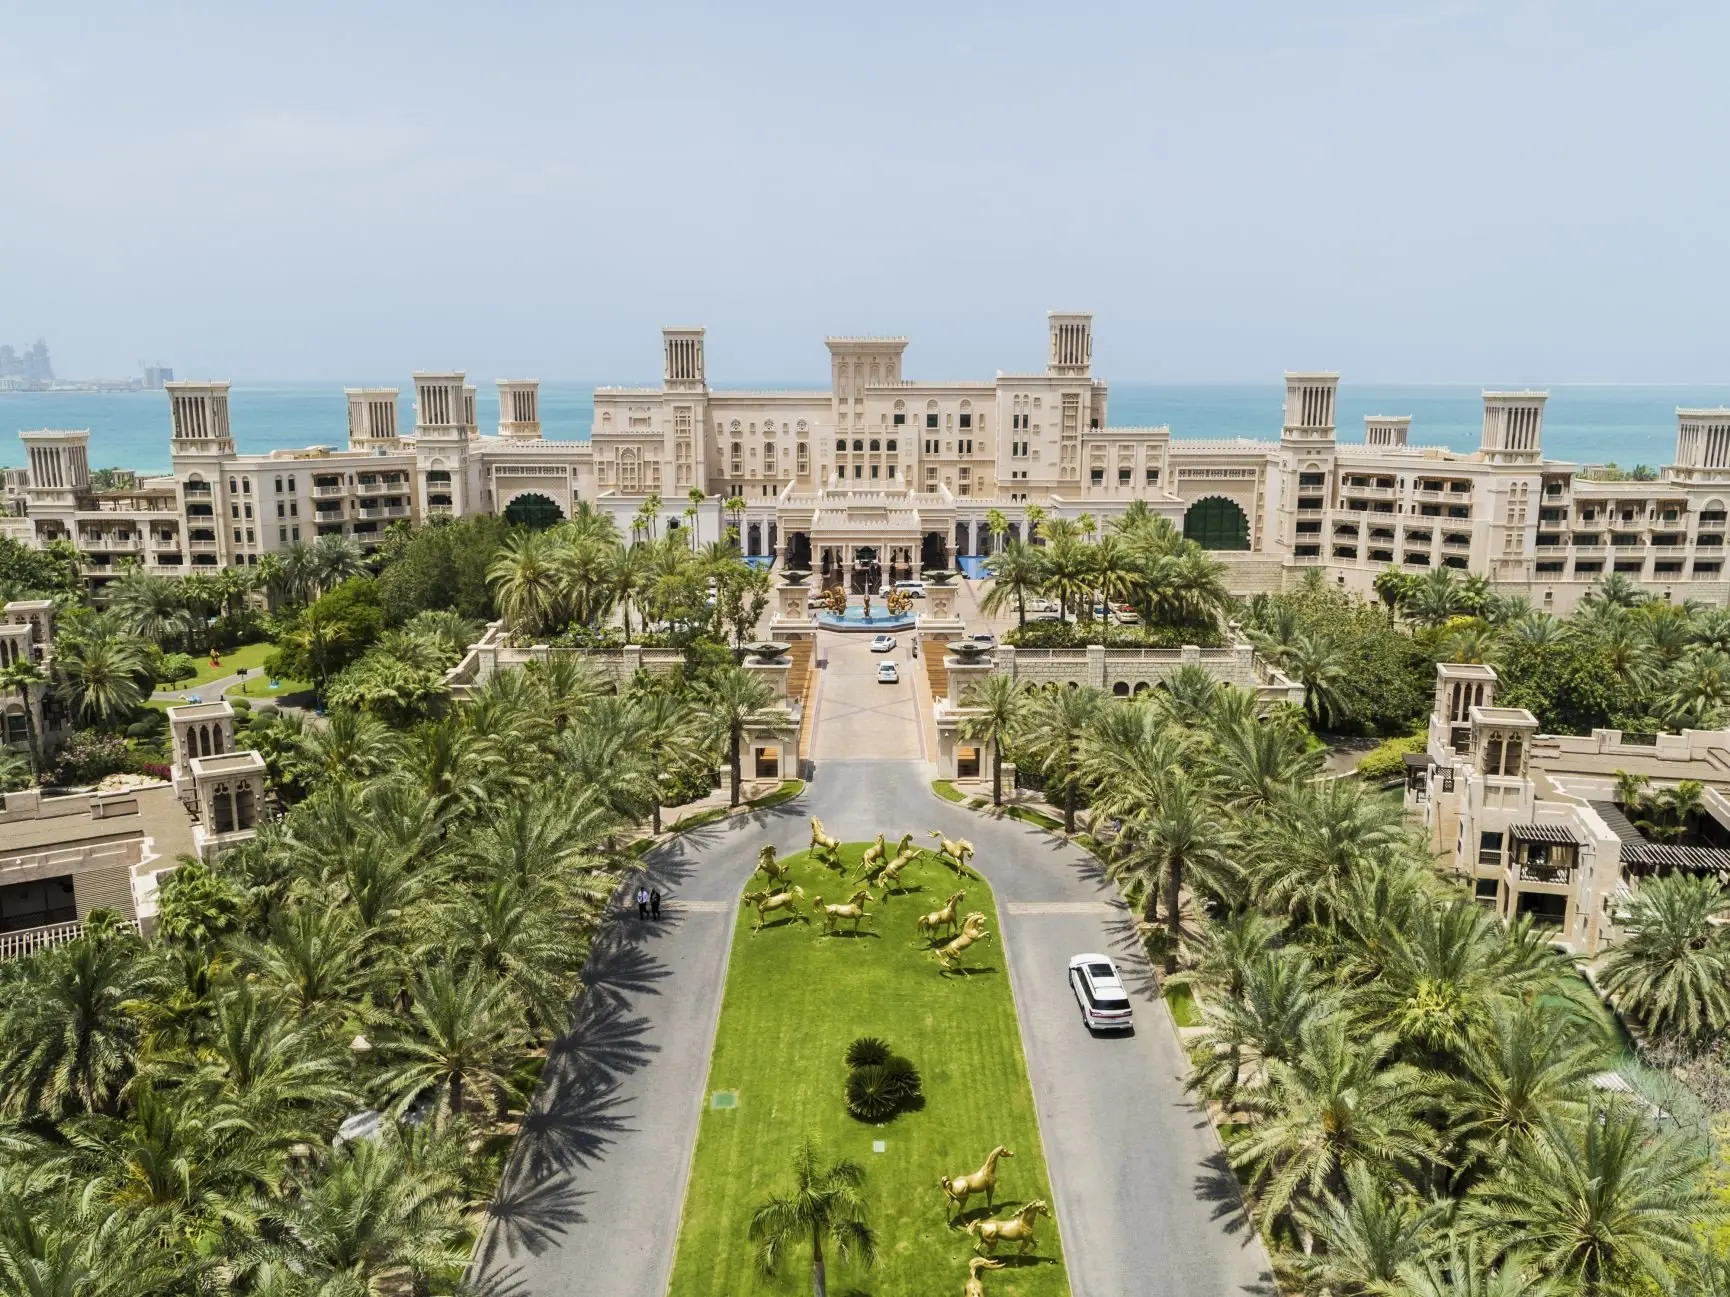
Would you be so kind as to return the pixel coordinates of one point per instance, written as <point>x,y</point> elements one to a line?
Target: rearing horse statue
<point>825,848</point>
<point>975,1285</point>
<point>972,929</point>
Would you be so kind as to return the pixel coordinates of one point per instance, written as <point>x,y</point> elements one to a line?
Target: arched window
<point>222,810</point>
<point>875,444</point>
<point>804,458</point>
<point>858,444</point>
<point>1216,523</point>
<point>245,807</point>
<point>1120,689</point>
<point>216,739</point>
<point>841,446</point>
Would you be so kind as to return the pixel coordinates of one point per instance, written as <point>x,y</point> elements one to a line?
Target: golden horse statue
<point>954,852</point>
<point>770,868</point>
<point>833,914</point>
<point>891,872</point>
<point>972,930</point>
<point>823,846</point>
<point>1017,1229</point>
<point>767,902</point>
<point>874,855</point>
<point>975,1285</point>
<point>948,918</point>
<point>960,1188</point>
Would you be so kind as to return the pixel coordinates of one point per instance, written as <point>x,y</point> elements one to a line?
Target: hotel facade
<point>881,476</point>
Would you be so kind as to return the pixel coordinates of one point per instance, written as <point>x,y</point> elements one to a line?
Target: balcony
<point>1586,551</point>
<point>28,941</point>
<point>329,492</point>
<point>201,546</point>
<point>1552,524</point>
<point>1371,492</point>
<point>1557,873</point>
<point>386,511</point>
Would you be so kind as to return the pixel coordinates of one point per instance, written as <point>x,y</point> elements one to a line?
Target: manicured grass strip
<point>1030,816</point>
<point>948,791</point>
<point>1184,1010</point>
<point>250,656</point>
<point>257,686</point>
<point>794,1001</point>
<point>789,789</point>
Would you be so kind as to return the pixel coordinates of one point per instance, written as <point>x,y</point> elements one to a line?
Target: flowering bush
<point>89,756</point>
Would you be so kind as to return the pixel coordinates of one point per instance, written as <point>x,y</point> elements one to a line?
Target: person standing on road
<point>642,902</point>
<point>655,904</point>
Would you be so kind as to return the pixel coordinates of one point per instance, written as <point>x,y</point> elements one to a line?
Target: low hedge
<point>1388,758</point>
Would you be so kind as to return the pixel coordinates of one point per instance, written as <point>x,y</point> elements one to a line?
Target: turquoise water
<point>1589,424</point>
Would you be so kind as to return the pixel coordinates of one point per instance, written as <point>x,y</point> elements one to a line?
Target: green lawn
<point>247,655</point>
<point>257,685</point>
<point>1184,1010</point>
<point>794,1001</point>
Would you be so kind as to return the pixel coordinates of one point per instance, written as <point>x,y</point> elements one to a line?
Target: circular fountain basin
<point>881,620</point>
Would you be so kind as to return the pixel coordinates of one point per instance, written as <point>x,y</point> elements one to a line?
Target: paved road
<point>591,1202</point>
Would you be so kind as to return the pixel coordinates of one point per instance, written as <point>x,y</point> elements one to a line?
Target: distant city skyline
<point>1429,193</point>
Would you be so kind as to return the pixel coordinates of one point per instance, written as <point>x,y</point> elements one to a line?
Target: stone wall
<point>1124,671</point>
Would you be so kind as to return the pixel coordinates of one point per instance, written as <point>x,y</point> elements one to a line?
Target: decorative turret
<point>1386,429</point>
<point>520,409</point>
<point>1513,427</point>
<point>1309,408</point>
<point>1071,343</point>
<point>200,415</point>
<point>372,418</point>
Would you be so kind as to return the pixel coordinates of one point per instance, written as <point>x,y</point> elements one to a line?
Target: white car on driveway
<point>1101,994</point>
<point>883,644</point>
<point>887,674</point>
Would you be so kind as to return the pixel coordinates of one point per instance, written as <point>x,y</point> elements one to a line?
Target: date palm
<point>1178,833</point>
<point>826,1208</point>
<point>1468,1270</point>
<point>1018,572</point>
<point>1068,572</point>
<point>1435,599</point>
<point>1259,764</point>
<point>1699,691</point>
<point>151,606</point>
<point>732,699</point>
<point>68,1036</point>
<point>99,675</point>
<point>315,962</point>
<point>1364,1236</point>
<point>1337,1102</point>
<point>1671,970</point>
<point>668,731</point>
<point>1603,1203</point>
<point>464,1032</point>
<point>336,558</point>
<point>17,679</point>
<point>1056,730</point>
<point>63,1244</point>
<point>352,745</point>
<point>995,707</point>
<point>1323,834</point>
<point>270,1074</point>
<point>527,577</point>
<point>1278,994</point>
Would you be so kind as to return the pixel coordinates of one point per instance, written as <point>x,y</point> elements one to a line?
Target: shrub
<point>904,1080</point>
<point>870,1096</point>
<point>867,1051</point>
<point>175,667</point>
<point>1387,759</point>
<point>156,770</point>
<point>89,756</point>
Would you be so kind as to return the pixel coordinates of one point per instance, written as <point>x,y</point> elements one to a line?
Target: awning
<point>1417,760</point>
<point>1664,855</point>
<point>1543,833</point>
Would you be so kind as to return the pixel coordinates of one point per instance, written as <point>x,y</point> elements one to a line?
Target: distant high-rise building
<point>38,369</point>
<point>156,374</point>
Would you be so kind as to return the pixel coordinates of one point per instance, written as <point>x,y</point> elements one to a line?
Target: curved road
<point>591,1201</point>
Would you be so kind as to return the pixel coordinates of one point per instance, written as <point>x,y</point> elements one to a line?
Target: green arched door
<point>1216,523</point>
<point>533,511</point>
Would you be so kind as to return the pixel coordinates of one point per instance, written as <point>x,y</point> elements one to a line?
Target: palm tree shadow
<point>525,1216</point>
<point>1217,1185</point>
<point>1133,964</point>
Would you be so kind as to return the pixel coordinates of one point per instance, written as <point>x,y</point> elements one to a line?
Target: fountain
<point>767,650</point>
<point>879,620</point>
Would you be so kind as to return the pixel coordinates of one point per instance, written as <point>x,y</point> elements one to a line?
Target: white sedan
<point>1101,994</point>
<point>883,644</point>
<point>887,674</point>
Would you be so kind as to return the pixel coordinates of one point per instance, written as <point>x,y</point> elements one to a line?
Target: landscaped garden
<point>796,1000</point>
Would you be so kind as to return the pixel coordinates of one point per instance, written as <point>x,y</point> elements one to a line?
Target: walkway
<point>592,1200</point>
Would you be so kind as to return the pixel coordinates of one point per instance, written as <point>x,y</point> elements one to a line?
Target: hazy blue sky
<point>1491,192</point>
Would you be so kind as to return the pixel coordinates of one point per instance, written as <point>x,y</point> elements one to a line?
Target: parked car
<point>1040,604</point>
<point>1101,994</point>
<point>1125,616</point>
<point>984,637</point>
<point>912,589</point>
<point>883,644</point>
<point>888,674</point>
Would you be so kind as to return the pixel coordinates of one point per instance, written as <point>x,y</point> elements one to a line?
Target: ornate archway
<point>1215,522</point>
<point>534,511</point>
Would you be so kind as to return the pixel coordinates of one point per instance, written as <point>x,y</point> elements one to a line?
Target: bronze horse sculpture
<point>958,1189</point>
<point>834,914</point>
<point>1017,1229</point>
<point>972,930</point>
<point>948,918</point>
<point>767,902</point>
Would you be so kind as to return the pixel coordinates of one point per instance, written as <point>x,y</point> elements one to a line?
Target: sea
<point>1584,423</point>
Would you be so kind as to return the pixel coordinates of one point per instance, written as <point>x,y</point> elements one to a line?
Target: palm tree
<point>67,1034</point>
<point>1017,571</point>
<point>997,527</point>
<point>336,558</point>
<point>826,1206</point>
<point>352,745</point>
<point>732,698</point>
<point>1177,831</point>
<point>528,579</point>
<point>994,710</point>
<point>1616,588</point>
<point>151,606</point>
<point>17,677</point>
<point>99,675</point>
<point>1322,836</point>
<point>299,572</point>
<point>1435,600</point>
<point>1365,1235</point>
<point>1603,1203</point>
<point>1278,994</point>
<point>1057,725</point>
<point>1700,690</point>
<point>1315,660</point>
<point>669,732</point>
<point>202,595</point>
<point>1466,1271</point>
<point>464,1033</point>
<point>315,962</point>
<point>1336,1102</point>
<point>1068,571</point>
<point>1671,970</point>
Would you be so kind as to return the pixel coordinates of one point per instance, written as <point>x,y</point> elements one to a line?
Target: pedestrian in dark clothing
<point>655,903</point>
<point>642,902</point>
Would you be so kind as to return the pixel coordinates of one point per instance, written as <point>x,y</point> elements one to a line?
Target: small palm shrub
<point>867,1051</point>
<point>879,1083</point>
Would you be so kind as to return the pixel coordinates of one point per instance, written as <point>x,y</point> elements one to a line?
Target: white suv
<point>1100,993</point>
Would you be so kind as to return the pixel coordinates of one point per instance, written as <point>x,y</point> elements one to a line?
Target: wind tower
<point>1513,427</point>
